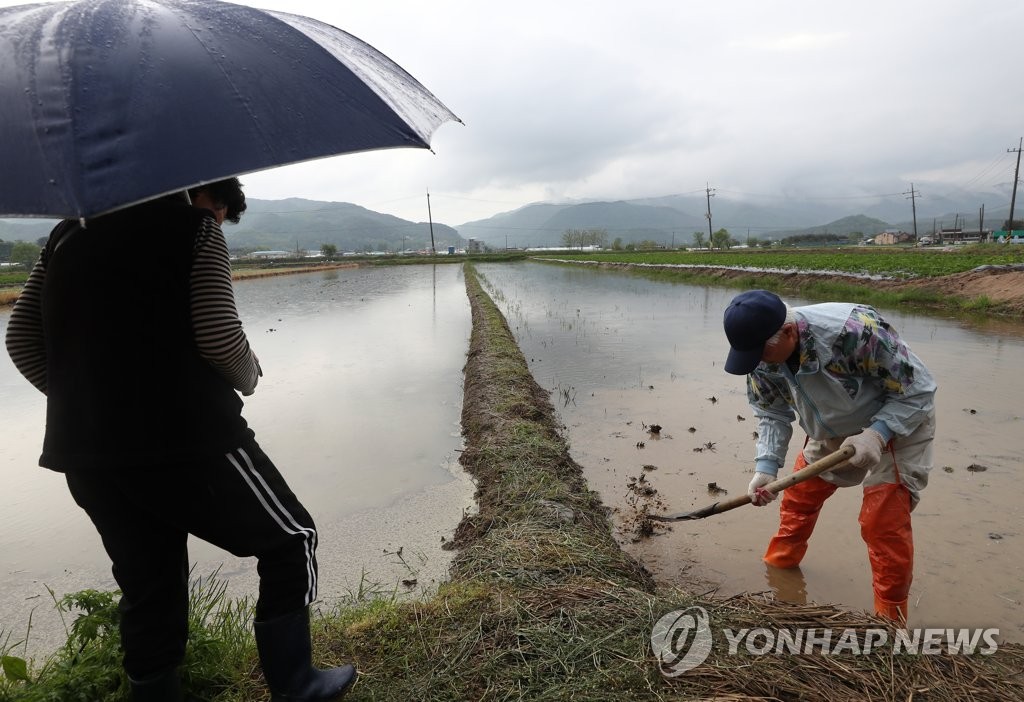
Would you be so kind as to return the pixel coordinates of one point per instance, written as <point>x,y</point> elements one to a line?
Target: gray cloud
<point>575,99</point>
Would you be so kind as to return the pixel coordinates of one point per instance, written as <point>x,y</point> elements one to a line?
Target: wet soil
<point>1002,285</point>
<point>636,354</point>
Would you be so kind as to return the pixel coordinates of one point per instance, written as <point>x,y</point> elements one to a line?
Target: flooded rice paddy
<point>359,408</point>
<point>620,354</point>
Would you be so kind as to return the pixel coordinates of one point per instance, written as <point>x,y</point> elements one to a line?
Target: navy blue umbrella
<point>106,103</point>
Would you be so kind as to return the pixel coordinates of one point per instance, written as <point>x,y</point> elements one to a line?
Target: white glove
<point>758,495</point>
<point>868,444</point>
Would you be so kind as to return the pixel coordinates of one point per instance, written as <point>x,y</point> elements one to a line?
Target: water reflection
<point>635,352</point>
<point>788,584</point>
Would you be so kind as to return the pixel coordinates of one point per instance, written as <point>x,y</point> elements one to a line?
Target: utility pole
<point>711,193</point>
<point>981,223</point>
<point>1016,179</point>
<point>913,195</point>
<point>433,251</point>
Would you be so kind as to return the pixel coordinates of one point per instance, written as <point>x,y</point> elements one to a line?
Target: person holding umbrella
<point>849,379</point>
<point>128,320</point>
<point>128,325</point>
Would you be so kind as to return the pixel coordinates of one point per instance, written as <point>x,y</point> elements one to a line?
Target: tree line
<point>22,253</point>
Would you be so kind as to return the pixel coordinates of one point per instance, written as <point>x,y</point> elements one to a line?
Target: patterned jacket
<point>854,372</point>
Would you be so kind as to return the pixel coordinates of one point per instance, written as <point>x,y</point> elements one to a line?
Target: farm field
<point>887,262</point>
<point>983,280</point>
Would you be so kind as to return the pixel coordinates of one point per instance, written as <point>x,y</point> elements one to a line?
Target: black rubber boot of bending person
<point>162,687</point>
<point>286,654</point>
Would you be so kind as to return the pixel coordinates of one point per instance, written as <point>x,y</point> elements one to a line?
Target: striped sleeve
<point>26,343</point>
<point>215,323</point>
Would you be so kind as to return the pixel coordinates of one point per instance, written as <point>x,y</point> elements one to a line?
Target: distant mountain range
<point>307,224</point>
<point>298,224</point>
<point>673,219</point>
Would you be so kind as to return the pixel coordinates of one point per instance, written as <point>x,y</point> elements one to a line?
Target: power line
<point>829,198</point>
<point>985,171</point>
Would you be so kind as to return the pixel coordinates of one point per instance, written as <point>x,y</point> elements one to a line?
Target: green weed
<point>87,668</point>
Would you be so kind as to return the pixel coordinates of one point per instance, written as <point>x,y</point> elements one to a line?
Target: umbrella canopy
<point>107,103</point>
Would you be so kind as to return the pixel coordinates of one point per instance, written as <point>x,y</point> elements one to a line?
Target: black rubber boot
<point>286,653</point>
<point>162,687</point>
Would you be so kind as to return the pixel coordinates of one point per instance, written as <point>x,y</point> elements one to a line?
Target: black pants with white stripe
<point>238,502</point>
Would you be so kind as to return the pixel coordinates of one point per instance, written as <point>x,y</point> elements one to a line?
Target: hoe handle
<point>809,471</point>
<point>820,466</point>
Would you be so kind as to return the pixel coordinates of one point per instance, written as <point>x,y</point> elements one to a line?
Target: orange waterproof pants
<point>798,514</point>
<point>885,528</point>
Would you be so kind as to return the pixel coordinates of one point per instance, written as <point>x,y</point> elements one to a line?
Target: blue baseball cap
<point>751,319</point>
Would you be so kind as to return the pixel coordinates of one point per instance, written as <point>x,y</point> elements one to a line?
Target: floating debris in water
<point>641,486</point>
<point>995,537</point>
<point>640,444</point>
<point>972,411</point>
<point>948,469</point>
<point>976,468</point>
<point>692,429</point>
<point>755,435</point>
<point>641,498</point>
<point>740,418</point>
<point>654,428</point>
<point>710,446</point>
<point>712,399</point>
<point>649,466</point>
<point>568,395</point>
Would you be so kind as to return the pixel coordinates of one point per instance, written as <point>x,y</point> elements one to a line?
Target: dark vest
<point>126,385</point>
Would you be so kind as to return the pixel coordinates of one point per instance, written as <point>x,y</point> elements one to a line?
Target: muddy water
<point>619,353</point>
<point>359,407</point>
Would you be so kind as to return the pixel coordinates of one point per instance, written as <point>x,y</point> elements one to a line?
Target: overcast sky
<point>617,99</point>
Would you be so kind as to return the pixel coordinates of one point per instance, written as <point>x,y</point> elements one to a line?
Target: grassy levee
<point>542,603</point>
<point>909,277</point>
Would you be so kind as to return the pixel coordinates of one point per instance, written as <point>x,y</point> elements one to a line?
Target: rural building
<point>888,238</point>
<point>954,235</point>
